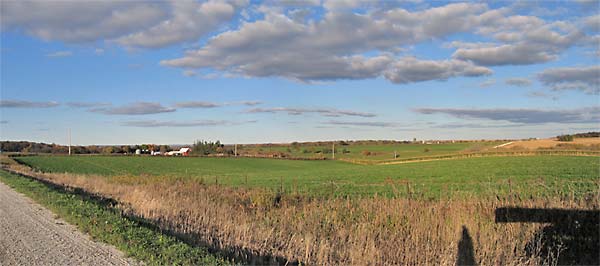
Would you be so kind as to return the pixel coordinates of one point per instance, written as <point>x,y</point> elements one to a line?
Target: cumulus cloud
<point>138,108</point>
<point>188,21</point>
<point>26,104</point>
<point>331,48</point>
<point>74,22</point>
<point>194,123</point>
<point>410,69</point>
<point>507,54</point>
<point>60,54</point>
<point>342,4</point>
<point>523,40</point>
<point>521,116</point>
<point>152,24</point>
<point>519,82</point>
<point>300,111</point>
<point>586,79</point>
<point>279,41</point>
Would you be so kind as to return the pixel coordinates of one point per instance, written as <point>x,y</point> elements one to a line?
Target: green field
<point>375,151</point>
<point>479,176</point>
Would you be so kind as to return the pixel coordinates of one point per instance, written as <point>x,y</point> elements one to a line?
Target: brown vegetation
<point>553,143</point>
<point>367,231</point>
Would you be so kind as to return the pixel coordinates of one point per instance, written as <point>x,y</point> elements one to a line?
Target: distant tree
<point>108,150</point>
<point>295,145</point>
<point>565,138</point>
<point>587,135</point>
<point>206,148</point>
<point>220,150</point>
<point>126,149</point>
<point>164,149</point>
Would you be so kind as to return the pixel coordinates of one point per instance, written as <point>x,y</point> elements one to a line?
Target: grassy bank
<point>106,224</point>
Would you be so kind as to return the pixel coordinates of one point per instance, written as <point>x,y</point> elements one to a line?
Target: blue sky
<point>247,72</point>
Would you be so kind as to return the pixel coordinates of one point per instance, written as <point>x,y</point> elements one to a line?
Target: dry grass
<point>370,231</point>
<point>552,143</point>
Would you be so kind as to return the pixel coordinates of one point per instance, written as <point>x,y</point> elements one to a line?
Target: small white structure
<point>181,152</point>
<point>138,152</point>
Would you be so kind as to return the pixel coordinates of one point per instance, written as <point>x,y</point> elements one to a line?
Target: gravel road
<point>30,235</point>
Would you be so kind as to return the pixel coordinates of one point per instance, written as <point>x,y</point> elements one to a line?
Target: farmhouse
<point>181,152</point>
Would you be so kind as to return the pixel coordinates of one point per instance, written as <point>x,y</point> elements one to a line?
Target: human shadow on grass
<point>466,253</point>
<point>570,238</point>
<point>238,255</point>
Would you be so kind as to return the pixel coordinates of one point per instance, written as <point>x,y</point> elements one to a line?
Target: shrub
<point>565,138</point>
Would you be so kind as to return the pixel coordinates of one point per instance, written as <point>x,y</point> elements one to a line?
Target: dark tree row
<point>35,147</point>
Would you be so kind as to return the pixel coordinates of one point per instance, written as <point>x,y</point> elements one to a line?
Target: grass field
<point>535,175</point>
<point>375,151</point>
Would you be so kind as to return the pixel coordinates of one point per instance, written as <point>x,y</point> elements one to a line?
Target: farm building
<point>181,152</point>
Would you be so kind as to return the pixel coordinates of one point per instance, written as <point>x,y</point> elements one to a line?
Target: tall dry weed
<point>363,231</point>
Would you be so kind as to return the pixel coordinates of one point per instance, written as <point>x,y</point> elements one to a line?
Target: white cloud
<point>26,104</point>
<point>321,111</point>
<point>87,104</point>
<point>197,104</point>
<point>77,22</point>
<point>328,49</point>
<point>138,108</point>
<point>486,83</point>
<point>410,69</point>
<point>586,79</point>
<point>189,20</point>
<point>519,82</point>
<point>189,73</point>
<point>522,116</point>
<point>362,123</point>
<point>523,40</point>
<point>151,24</point>
<point>193,123</point>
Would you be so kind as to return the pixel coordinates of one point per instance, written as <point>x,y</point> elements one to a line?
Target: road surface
<point>30,235</point>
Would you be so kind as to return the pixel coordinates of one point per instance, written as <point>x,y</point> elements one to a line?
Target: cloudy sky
<point>118,72</point>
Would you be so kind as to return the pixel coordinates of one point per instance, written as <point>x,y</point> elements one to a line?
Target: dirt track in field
<point>31,235</point>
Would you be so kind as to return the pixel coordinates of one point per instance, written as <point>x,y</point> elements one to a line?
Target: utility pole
<point>235,150</point>
<point>333,151</point>
<point>69,141</point>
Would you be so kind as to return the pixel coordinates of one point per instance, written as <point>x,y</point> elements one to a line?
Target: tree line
<point>36,147</point>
